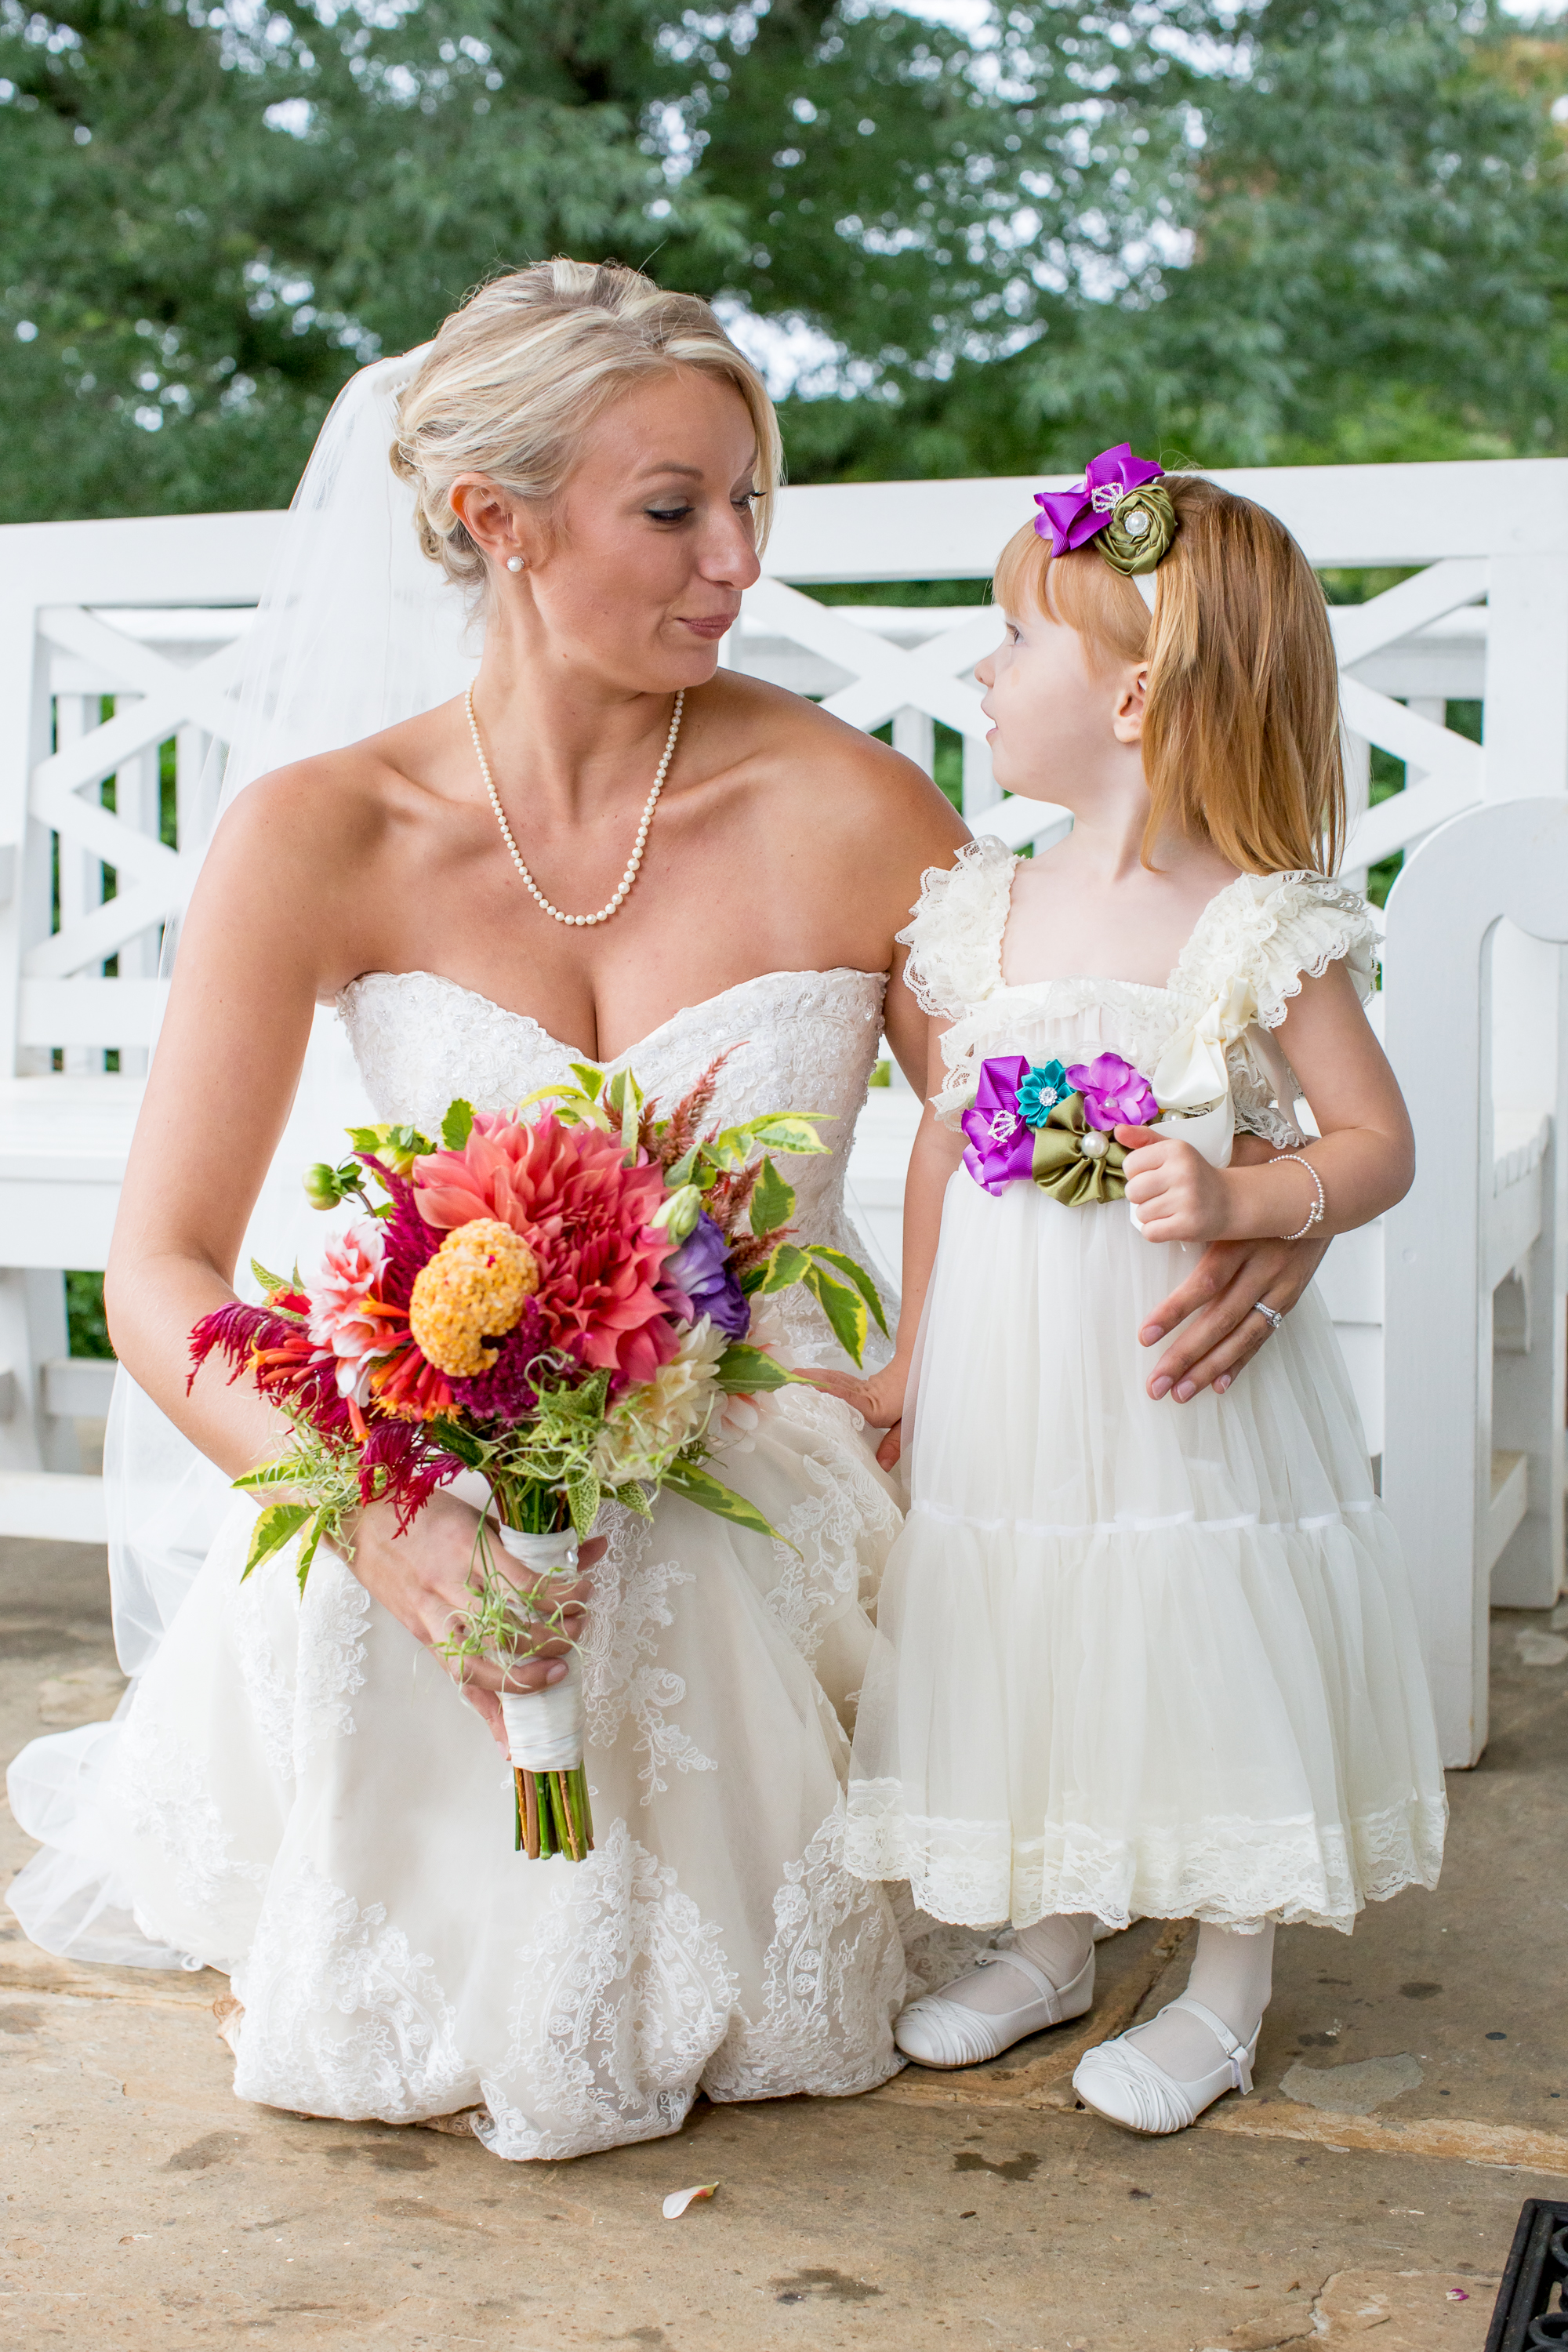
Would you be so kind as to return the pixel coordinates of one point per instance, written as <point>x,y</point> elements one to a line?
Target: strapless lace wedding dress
<point>299,1796</point>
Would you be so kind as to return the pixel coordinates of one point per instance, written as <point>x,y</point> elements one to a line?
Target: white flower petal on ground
<point>675,2203</point>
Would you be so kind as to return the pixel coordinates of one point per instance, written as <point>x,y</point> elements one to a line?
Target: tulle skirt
<point>1134,1658</point>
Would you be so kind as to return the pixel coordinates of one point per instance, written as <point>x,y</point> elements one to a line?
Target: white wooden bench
<point>119,648</point>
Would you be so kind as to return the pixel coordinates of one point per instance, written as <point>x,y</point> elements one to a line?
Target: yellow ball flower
<point>473,1290</point>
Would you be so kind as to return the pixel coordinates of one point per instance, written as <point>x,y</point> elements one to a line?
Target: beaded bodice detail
<point>802,1041</point>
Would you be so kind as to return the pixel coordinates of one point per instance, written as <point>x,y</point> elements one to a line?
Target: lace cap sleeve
<point>1270,932</point>
<point>1307,923</point>
<point>955,937</point>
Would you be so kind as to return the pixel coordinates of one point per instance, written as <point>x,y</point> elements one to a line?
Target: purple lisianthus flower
<point>1115,1093</point>
<point>697,1281</point>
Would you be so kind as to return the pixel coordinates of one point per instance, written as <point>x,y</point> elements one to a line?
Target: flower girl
<point>1142,1653</point>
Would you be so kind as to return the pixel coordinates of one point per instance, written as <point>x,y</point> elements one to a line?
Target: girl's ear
<point>1128,723</point>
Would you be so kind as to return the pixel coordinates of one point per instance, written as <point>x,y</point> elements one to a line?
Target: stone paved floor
<point>1413,2089</point>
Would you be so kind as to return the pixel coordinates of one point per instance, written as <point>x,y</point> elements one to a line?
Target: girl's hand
<point>1219,1295</point>
<point>1178,1196</point>
<point>425,1579</point>
<point>880,1400</point>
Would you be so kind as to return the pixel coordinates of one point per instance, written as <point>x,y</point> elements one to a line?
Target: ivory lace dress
<point>299,1797</point>
<point>1135,1658</point>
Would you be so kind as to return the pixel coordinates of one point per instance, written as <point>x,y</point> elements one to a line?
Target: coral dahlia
<point>586,1217</point>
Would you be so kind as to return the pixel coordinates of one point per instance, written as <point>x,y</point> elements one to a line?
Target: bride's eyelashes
<point>678,514</point>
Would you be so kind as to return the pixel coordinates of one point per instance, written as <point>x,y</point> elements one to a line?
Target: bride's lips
<point>716,625</point>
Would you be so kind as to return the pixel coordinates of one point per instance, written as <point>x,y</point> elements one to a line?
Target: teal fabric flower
<point>1040,1092</point>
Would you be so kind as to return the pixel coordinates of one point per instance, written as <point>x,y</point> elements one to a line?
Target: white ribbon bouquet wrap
<point>545,1729</point>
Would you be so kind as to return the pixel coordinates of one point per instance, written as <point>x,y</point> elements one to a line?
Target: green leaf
<point>458,1125</point>
<point>727,1152</point>
<point>790,1131</point>
<point>631,1113</point>
<point>583,1501</point>
<point>710,1494</point>
<point>277,1524</point>
<point>308,1552</point>
<point>684,1171</point>
<point>269,1282</point>
<point>366,1138</point>
<point>786,1264</point>
<point>748,1369</point>
<point>772,1202</point>
<point>285,1473</point>
<point>842,1263</point>
<point>844,1308</point>
<point>588,1078</point>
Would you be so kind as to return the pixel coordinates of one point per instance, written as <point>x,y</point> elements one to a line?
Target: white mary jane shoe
<point>936,2031</point>
<point>1122,2083</point>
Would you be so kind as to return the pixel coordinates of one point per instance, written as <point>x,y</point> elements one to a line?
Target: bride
<point>294,1791</point>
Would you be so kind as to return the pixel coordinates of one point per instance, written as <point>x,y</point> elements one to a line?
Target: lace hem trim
<point>1226,1871</point>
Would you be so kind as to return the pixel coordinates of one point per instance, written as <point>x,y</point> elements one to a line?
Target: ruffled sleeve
<point>1247,958</point>
<point>1268,932</point>
<point>1305,923</point>
<point>955,936</point>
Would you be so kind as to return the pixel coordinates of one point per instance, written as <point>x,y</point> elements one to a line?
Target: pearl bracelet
<point>1315,1213</point>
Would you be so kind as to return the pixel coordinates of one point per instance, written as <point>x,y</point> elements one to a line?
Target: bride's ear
<point>1127,724</point>
<point>500,526</point>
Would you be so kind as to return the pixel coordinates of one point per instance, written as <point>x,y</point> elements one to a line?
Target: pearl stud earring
<point>514,564</point>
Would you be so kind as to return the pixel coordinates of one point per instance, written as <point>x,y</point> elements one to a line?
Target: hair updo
<point>515,378</point>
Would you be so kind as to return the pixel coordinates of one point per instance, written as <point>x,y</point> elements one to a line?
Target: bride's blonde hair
<point>1241,722</point>
<point>516,377</point>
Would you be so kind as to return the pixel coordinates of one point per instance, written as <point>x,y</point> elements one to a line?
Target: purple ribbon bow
<point>1068,518</point>
<point>1001,1147</point>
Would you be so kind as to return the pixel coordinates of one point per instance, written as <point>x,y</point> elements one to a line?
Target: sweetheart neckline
<point>703,1005</point>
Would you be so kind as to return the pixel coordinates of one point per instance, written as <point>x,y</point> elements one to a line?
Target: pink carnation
<point>584,1214</point>
<point>351,1268</point>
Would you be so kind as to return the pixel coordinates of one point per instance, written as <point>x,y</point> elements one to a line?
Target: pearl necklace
<point>634,863</point>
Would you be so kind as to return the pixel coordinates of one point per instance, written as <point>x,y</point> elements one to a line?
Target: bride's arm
<point>264,939</point>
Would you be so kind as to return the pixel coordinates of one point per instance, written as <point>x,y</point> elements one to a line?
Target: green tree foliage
<point>1309,228</point>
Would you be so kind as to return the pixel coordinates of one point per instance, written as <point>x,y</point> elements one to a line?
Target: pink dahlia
<point>584,1214</point>
<point>350,1272</point>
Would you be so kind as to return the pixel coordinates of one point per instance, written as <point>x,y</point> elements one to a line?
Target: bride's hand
<point>425,1580</point>
<point>880,1400</point>
<point>1221,1296</point>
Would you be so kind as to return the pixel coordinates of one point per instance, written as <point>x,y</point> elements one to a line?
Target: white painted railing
<point>120,647</point>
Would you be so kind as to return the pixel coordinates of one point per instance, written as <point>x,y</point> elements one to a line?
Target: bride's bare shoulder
<point>339,806</point>
<point>818,760</point>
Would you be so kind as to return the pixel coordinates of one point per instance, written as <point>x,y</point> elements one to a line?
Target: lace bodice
<point>796,1040</point>
<point>1251,948</point>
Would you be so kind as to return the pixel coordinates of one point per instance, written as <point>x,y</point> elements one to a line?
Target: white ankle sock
<point>1232,1974</point>
<point>1059,1946</point>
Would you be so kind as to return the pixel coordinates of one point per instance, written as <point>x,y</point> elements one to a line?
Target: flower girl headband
<point>1121,503</point>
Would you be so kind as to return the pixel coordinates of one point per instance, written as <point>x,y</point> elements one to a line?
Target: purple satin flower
<point>1115,1093</point>
<point>1068,518</point>
<point>697,1281</point>
<point>1001,1149</point>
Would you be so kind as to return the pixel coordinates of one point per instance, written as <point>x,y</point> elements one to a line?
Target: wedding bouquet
<point>562,1305</point>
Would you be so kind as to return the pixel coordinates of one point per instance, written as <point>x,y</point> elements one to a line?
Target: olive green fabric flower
<point>1143,525</point>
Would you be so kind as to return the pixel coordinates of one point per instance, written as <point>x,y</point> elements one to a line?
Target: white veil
<point>355,631</point>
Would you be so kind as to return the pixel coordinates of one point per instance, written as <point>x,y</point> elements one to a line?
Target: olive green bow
<point>1068,1162</point>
